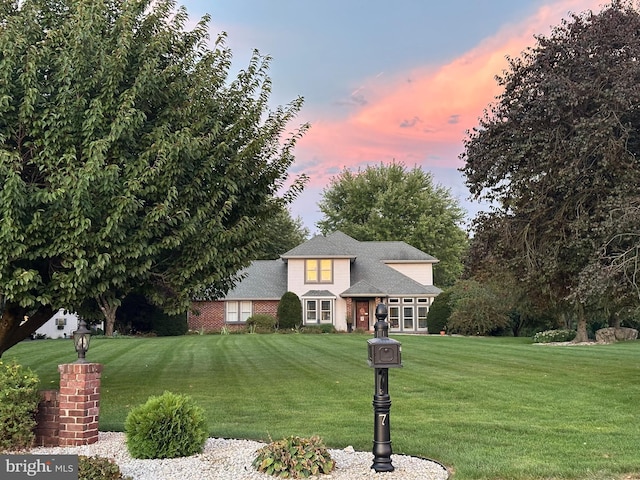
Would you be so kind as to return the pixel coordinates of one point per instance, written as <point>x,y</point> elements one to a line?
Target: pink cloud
<point>420,116</point>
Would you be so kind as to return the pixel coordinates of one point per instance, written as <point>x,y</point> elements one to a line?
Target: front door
<point>362,315</point>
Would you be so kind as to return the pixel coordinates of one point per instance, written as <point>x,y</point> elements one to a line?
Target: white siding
<point>341,282</point>
<point>420,272</point>
<point>295,277</point>
<point>341,314</point>
<point>70,320</point>
<point>341,275</point>
<point>51,330</point>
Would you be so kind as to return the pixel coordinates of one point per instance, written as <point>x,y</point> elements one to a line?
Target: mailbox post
<point>384,353</point>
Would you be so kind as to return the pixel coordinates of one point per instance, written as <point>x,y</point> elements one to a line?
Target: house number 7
<point>383,417</point>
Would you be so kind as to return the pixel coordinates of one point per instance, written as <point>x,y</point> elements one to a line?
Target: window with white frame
<point>422,317</point>
<point>423,310</point>
<point>326,312</point>
<point>318,311</point>
<point>394,316</point>
<point>311,307</point>
<point>407,317</point>
<point>408,314</point>
<point>238,311</point>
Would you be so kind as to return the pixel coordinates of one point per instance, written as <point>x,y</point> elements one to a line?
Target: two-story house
<point>339,281</point>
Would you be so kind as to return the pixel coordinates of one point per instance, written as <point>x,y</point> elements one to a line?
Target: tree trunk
<point>581,333</point>
<point>108,306</point>
<point>566,321</point>
<point>516,325</point>
<point>15,326</point>
<point>614,320</point>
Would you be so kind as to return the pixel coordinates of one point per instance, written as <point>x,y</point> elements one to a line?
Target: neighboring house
<point>339,281</point>
<point>61,325</point>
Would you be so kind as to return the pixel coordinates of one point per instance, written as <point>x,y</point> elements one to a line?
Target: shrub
<point>320,328</point>
<point>261,323</point>
<point>294,457</point>
<point>166,426</point>
<point>139,316</point>
<point>549,336</point>
<point>289,311</point>
<point>98,468</point>
<point>439,313</point>
<point>478,308</point>
<point>19,399</point>
<point>165,325</point>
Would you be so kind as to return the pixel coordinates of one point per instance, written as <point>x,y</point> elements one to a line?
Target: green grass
<point>488,408</point>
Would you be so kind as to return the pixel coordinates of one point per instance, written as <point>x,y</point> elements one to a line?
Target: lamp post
<point>81,339</point>
<point>384,353</point>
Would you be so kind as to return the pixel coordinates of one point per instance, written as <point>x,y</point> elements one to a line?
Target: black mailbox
<point>384,353</point>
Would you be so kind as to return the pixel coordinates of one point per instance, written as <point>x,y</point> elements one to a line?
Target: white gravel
<point>231,460</point>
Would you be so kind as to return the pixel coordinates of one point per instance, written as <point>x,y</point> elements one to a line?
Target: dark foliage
<point>557,156</point>
<point>289,311</point>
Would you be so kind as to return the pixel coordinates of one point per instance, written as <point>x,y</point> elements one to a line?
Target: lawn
<point>487,408</point>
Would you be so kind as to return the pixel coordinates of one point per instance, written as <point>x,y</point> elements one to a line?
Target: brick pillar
<point>79,403</point>
<point>48,419</point>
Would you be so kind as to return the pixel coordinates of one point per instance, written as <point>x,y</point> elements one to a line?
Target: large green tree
<point>390,202</point>
<point>129,161</point>
<point>557,155</point>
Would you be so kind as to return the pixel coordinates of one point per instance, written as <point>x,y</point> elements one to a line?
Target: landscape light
<point>81,339</point>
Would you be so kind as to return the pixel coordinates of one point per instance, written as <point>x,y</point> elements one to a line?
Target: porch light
<point>81,338</point>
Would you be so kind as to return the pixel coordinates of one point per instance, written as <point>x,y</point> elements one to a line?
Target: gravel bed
<point>231,460</point>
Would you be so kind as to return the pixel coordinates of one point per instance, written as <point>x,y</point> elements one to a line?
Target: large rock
<point>612,335</point>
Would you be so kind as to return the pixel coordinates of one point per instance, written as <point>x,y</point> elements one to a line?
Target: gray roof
<point>383,280</point>
<point>262,280</point>
<point>340,245</point>
<point>337,245</point>
<point>396,251</point>
<point>319,293</point>
<point>362,289</point>
<point>370,276</point>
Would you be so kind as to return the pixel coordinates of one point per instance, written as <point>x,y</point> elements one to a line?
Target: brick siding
<point>209,316</point>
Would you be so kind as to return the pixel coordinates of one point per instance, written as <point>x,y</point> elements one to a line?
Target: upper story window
<point>318,270</point>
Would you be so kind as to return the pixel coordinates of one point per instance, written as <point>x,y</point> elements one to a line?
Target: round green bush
<point>262,322</point>
<point>166,426</point>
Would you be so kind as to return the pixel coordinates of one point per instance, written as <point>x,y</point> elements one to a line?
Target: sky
<point>383,81</point>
